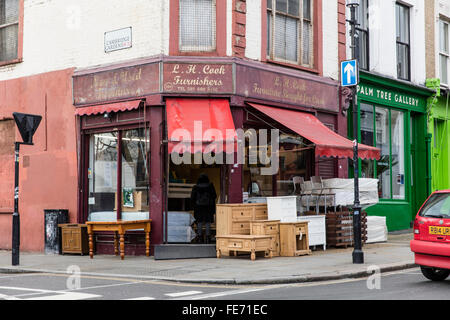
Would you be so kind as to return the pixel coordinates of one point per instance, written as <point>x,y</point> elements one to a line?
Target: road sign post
<point>27,125</point>
<point>350,78</point>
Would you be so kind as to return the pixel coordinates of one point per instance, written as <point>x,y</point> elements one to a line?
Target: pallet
<point>340,229</point>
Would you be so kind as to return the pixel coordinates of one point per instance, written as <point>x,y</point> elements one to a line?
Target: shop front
<point>438,127</point>
<point>393,118</point>
<point>148,129</point>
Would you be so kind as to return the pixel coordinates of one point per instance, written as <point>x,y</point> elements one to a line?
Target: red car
<point>431,244</point>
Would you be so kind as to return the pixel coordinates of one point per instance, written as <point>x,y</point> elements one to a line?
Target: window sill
<point>6,63</point>
<point>197,53</point>
<point>294,66</point>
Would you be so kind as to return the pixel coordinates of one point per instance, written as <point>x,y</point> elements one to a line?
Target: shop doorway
<point>181,224</point>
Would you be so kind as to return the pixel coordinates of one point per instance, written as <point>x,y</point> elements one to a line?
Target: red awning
<point>112,107</point>
<point>327,142</point>
<point>200,125</point>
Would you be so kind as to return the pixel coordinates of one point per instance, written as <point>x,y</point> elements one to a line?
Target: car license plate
<point>440,231</point>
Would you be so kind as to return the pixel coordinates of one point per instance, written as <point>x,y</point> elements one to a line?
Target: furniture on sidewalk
<point>74,238</point>
<point>119,227</point>
<point>227,244</point>
<point>317,231</point>
<point>235,218</point>
<point>294,239</point>
<point>268,228</point>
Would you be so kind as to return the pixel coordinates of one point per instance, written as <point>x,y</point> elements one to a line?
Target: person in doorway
<point>203,198</point>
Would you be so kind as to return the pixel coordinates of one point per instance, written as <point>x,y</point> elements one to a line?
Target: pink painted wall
<point>48,170</point>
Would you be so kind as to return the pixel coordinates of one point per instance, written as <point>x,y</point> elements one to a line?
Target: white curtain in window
<point>286,38</point>
<point>197,25</point>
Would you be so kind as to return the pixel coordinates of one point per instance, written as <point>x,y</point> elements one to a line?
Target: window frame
<point>221,32</point>
<point>400,43</point>
<point>316,65</point>
<point>19,36</point>
<point>443,53</point>
<point>406,118</point>
<point>365,31</point>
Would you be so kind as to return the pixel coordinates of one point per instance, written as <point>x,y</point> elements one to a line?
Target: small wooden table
<point>119,227</point>
<point>246,243</point>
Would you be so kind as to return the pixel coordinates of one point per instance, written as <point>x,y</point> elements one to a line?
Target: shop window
<point>294,161</point>
<point>384,128</point>
<point>403,42</point>
<point>9,30</point>
<point>197,25</point>
<point>105,166</point>
<point>444,52</point>
<point>363,32</point>
<point>290,36</point>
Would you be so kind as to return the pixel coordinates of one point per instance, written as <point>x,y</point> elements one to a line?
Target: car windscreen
<point>438,206</point>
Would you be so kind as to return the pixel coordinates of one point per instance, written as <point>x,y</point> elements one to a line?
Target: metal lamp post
<point>27,125</point>
<point>358,255</point>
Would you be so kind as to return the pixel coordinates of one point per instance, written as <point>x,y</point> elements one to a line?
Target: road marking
<point>182,294</point>
<point>141,298</point>
<point>67,296</point>
<point>227,293</point>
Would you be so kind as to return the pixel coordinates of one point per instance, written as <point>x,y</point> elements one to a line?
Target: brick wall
<point>430,46</point>
<point>239,12</point>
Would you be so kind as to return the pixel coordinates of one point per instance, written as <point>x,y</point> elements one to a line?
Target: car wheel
<point>435,274</point>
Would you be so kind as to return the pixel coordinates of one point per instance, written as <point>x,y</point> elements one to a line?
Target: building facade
<point>437,44</point>
<point>112,93</point>
<point>392,106</point>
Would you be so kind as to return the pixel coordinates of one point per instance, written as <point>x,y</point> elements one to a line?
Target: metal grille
<point>197,25</point>
<point>9,29</point>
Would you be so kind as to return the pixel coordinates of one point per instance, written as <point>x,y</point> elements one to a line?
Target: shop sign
<point>385,96</point>
<point>118,39</point>
<point>198,78</point>
<point>268,85</point>
<point>120,83</point>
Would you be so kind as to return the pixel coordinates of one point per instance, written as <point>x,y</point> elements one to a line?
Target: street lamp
<point>27,125</point>
<point>358,255</point>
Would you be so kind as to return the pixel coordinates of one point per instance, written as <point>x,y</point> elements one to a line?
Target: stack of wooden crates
<point>340,228</point>
<point>246,228</point>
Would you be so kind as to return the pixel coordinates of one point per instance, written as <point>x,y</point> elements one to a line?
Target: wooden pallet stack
<point>340,228</point>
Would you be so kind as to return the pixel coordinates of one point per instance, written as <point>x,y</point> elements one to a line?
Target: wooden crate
<point>294,239</point>
<point>227,244</point>
<point>340,228</point>
<point>268,228</point>
<point>74,238</point>
<point>235,218</point>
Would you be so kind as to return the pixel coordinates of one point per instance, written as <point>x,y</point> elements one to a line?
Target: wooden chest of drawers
<point>268,228</point>
<point>227,244</point>
<point>74,238</point>
<point>235,218</point>
<point>294,239</point>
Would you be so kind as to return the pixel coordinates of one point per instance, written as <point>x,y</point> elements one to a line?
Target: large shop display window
<point>385,129</point>
<point>107,170</point>
<point>293,162</point>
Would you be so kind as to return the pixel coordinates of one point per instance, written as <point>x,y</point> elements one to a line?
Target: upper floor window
<point>9,30</point>
<point>444,52</point>
<point>403,42</point>
<point>363,34</point>
<point>290,31</point>
<point>197,25</point>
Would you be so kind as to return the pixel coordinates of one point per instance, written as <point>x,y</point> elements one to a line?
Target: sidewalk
<point>320,266</point>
